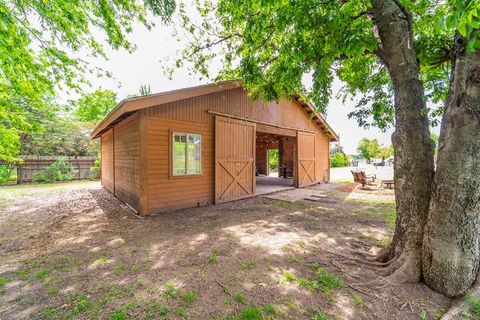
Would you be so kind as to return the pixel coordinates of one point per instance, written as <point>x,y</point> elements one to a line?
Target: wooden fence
<point>27,170</point>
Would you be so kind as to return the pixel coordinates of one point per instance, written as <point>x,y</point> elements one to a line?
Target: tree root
<point>404,269</point>
<point>371,263</point>
<point>460,304</point>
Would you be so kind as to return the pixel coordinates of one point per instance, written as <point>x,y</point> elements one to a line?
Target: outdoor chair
<point>362,178</point>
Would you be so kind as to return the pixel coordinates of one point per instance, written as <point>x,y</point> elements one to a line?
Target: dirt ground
<point>73,251</point>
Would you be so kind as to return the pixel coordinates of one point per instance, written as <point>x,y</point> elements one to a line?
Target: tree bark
<point>411,140</point>
<point>451,240</point>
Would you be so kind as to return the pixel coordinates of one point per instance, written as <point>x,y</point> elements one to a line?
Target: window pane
<point>179,154</point>
<point>194,154</point>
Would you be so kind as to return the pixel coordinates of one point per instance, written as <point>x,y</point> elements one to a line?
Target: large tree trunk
<point>411,140</point>
<point>451,240</point>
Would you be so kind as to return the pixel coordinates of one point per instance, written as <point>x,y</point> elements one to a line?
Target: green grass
<point>102,260</point>
<point>289,277</point>
<point>80,303</point>
<point>118,269</point>
<point>474,304</point>
<point>170,290</point>
<point>358,301</point>
<point>303,282</point>
<point>269,309</point>
<point>239,297</point>
<point>327,282</point>
<point>49,313</point>
<point>181,311</point>
<point>42,273</point>
<point>118,315</point>
<point>3,282</point>
<point>320,315</point>
<point>154,309</point>
<point>250,313</point>
<point>213,259</point>
<point>189,297</point>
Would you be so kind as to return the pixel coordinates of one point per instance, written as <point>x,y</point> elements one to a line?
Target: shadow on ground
<point>81,253</point>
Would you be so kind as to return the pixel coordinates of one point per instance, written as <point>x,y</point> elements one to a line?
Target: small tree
<point>368,149</point>
<point>339,160</point>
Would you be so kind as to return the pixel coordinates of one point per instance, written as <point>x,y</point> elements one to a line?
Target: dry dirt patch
<point>74,251</point>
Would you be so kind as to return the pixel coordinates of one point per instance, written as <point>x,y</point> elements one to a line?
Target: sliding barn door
<point>305,159</point>
<point>234,159</point>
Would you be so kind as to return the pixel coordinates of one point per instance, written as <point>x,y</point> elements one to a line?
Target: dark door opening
<point>274,162</point>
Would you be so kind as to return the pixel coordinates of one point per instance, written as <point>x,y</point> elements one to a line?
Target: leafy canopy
<point>369,149</point>
<point>95,106</point>
<point>275,46</point>
<point>40,43</point>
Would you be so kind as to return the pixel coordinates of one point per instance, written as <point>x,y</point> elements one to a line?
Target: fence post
<point>19,174</point>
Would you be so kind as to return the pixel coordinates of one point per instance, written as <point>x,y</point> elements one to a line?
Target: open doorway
<point>274,162</point>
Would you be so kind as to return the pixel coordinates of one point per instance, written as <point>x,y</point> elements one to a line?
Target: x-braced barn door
<point>306,159</point>
<point>234,159</point>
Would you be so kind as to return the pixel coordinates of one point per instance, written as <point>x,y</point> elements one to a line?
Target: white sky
<point>144,66</point>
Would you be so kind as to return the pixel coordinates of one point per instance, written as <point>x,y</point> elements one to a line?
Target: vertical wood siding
<point>127,164</point>
<point>322,158</point>
<point>165,191</point>
<point>234,102</point>
<point>234,159</point>
<point>161,190</point>
<point>107,160</point>
<point>261,159</point>
<point>306,159</point>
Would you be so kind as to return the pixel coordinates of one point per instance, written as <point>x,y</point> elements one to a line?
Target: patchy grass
<point>289,277</point>
<point>358,300</point>
<point>250,313</point>
<point>474,305</point>
<point>189,297</point>
<point>212,262</point>
<point>327,282</point>
<point>171,291</point>
<point>118,315</point>
<point>320,315</point>
<point>239,297</point>
<point>269,309</point>
<point>3,282</point>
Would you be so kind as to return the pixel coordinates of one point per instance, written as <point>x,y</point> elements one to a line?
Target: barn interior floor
<point>269,184</point>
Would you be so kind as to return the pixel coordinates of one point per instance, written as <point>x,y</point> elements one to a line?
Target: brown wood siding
<point>235,102</point>
<point>322,158</point>
<point>234,159</point>
<point>107,160</point>
<point>261,159</point>
<point>143,175</point>
<point>306,156</point>
<point>165,191</point>
<point>127,164</point>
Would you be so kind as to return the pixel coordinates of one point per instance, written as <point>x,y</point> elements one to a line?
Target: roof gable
<point>128,106</point>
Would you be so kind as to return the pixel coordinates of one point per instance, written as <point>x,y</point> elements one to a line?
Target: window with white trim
<point>186,154</point>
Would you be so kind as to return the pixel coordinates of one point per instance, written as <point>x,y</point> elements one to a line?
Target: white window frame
<point>172,152</point>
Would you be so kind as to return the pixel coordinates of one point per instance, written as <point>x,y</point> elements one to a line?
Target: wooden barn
<point>209,144</point>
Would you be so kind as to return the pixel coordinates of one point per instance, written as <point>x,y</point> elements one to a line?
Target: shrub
<point>6,172</point>
<point>251,313</point>
<point>60,170</point>
<point>339,160</point>
<point>95,170</point>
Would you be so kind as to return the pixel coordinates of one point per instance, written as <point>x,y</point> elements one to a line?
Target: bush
<point>339,160</point>
<point>7,172</point>
<point>95,170</point>
<point>60,170</point>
